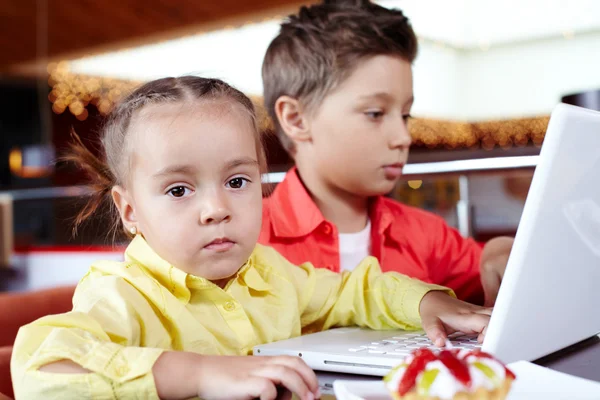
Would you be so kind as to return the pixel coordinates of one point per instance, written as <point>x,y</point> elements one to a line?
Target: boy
<point>338,85</point>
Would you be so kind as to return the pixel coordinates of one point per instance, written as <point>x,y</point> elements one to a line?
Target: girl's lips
<point>220,245</point>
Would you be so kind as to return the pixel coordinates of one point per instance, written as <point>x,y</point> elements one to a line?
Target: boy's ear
<point>124,204</point>
<point>292,118</point>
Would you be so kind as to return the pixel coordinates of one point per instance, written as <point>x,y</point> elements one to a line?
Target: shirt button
<point>327,229</point>
<point>229,306</point>
<point>122,371</point>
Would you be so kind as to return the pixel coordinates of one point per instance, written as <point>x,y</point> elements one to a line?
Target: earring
<point>133,230</point>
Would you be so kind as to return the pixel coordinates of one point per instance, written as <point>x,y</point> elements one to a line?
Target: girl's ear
<point>126,208</point>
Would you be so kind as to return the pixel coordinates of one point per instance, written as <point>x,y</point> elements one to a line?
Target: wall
<point>528,78</point>
<point>524,79</point>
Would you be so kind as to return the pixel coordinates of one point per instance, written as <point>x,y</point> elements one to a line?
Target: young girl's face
<point>194,189</point>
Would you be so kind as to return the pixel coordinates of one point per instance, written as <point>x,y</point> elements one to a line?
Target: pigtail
<point>101,183</point>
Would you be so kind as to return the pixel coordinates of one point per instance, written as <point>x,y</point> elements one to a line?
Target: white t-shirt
<point>354,247</point>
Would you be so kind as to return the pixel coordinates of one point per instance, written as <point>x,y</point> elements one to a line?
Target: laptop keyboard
<point>401,346</point>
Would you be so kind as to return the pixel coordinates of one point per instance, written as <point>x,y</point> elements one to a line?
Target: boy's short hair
<point>319,47</point>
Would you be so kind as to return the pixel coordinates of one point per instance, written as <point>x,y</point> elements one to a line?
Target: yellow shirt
<point>126,314</point>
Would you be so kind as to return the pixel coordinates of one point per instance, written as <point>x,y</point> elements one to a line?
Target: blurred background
<point>486,79</point>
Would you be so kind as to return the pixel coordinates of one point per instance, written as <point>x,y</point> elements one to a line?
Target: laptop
<point>550,295</point>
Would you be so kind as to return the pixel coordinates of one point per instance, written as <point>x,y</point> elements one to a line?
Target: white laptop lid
<point>549,297</point>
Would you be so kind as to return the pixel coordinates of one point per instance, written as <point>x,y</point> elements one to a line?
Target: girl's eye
<point>374,114</point>
<point>237,183</point>
<point>178,191</point>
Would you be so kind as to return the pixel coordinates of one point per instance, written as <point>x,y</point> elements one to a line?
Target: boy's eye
<point>237,183</point>
<point>178,191</point>
<point>374,114</point>
<point>406,117</point>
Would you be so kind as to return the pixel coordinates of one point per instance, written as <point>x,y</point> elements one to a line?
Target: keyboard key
<point>399,353</point>
<point>372,351</point>
<point>394,354</point>
<point>390,341</point>
<point>357,349</point>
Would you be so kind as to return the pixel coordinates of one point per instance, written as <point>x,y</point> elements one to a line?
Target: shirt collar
<point>250,274</point>
<point>294,212</point>
<point>387,221</point>
<point>167,275</point>
<point>179,282</point>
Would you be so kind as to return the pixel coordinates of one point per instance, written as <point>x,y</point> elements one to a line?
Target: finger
<point>484,310</point>
<point>298,365</point>
<point>502,271</point>
<point>470,323</point>
<point>288,377</point>
<point>481,336</point>
<point>262,388</point>
<point>434,328</point>
<point>491,284</point>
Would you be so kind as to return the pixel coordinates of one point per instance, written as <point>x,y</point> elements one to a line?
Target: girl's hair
<point>111,167</point>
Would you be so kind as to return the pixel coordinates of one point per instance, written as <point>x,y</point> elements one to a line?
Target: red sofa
<point>20,308</point>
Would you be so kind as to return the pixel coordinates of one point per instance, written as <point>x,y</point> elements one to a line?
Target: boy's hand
<point>442,315</point>
<point>253,377</point>
<point>493,264</point>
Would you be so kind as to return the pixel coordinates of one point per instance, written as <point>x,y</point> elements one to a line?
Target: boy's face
<point>195,189</point>
<point>358,136</point>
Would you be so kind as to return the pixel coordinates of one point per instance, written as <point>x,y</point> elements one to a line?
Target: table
<point>582,360</point>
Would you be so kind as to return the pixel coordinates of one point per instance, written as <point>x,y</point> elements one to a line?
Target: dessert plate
<point>533,383</point>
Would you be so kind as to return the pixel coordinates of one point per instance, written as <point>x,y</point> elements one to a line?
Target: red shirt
<point>404,239</point>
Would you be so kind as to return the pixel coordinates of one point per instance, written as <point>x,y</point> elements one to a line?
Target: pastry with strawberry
<point>450,375</point>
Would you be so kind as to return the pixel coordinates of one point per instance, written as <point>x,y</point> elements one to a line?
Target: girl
<point>195,292</point>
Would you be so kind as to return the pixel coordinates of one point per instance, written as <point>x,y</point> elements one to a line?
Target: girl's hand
<point>181,375</point>
<point>442,314</point>
<point>253,377</point>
